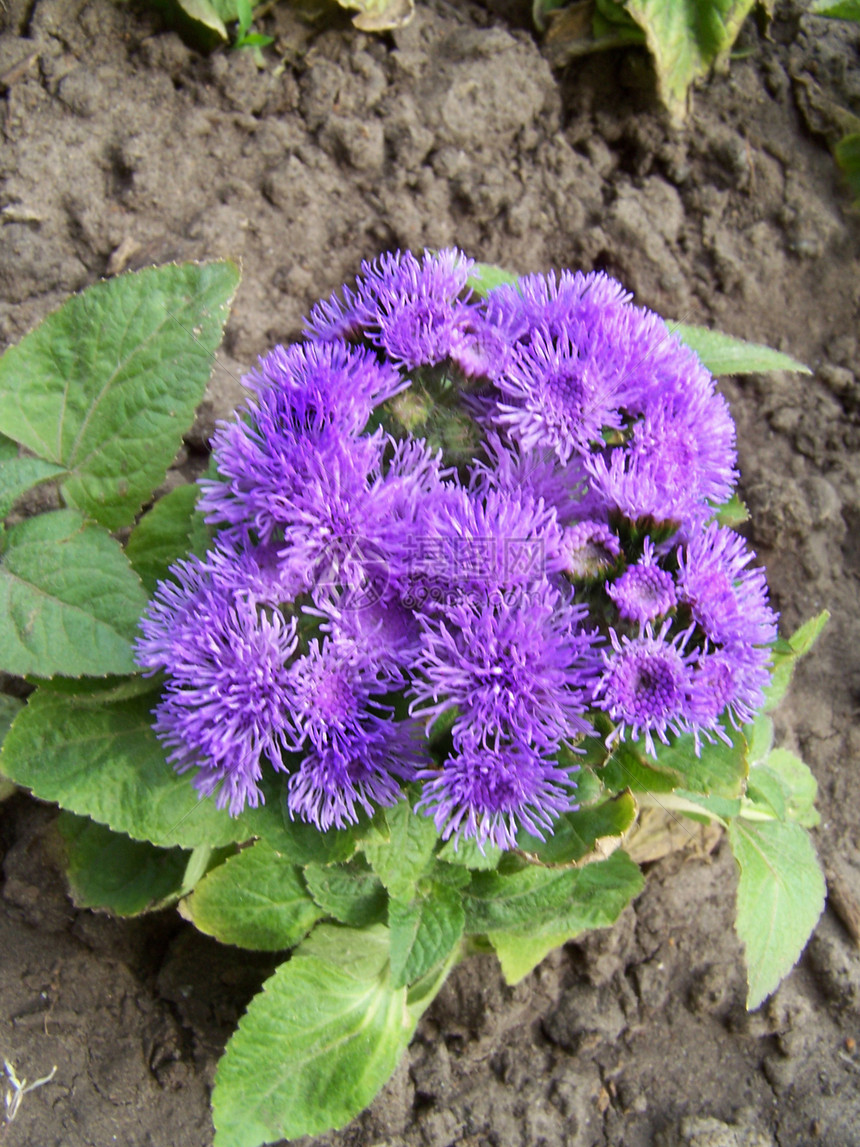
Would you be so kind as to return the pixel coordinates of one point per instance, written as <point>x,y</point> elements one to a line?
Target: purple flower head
<point>228,695</point>
<point>590,550</point>
<point>489,792</point>
<point>728,600</point>
<point>646,685</point>
<point>562,391</point>
<point>409,309</point>
<point>384,629</point>
<point>355,750</point>
<point>536,473</point>
<point>644,592</point>
<point>518,671</point>
<point>553,301</point>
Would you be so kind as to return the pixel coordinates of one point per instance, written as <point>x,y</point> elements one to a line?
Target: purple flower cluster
<point>377,617</point>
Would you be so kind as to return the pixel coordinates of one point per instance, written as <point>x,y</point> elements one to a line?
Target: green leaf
<point>759,737</point>
<point>380,15</point>
<point>469,854</point>
<point>722,354</point>
<point>109,870</point>
<point>106,386</point>
<point>530,898</point>
<point>718,770</point>
<point>424,931</point>
<point>363,952</point>
<point>485,277</point>
<point>69,601</point>
<point>847,153</point>
<point>101,759</point>
<point>576,834</point>
<point>18,475</point>
<point>256,899</point>
<point>685,39</point>
<point>765,790</point>
<point>303,843</point>
<point>732,513</point>
<point>628,767</point>
<point>351,893</point>
<point>786,655</point>
<point>837,9</point>
<point>205,13</point>
<point>311,1052</point>
<point>407,853</point>
<point>797,786</point>
<point>597,895</point>
<point>162,536</point>
<point>780,897</point>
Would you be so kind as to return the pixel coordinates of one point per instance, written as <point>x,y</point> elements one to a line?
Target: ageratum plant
<point>460,600</point>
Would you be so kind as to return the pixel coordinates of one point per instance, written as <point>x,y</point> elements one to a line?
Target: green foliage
<point>780,897</point>
<point>404,852</point>
<point>722,354</point>
<point>686,39</point>
<point>574,902</point>
<point>786,654</point>
<point>847,152</point>
<point>98,756</point>
<point>69,601</point>
<point>163,535</point>
<point>110,870</point>
<point>424,930</point>
<point>578,835</point>
<point>316,1044</point>
<point>256,899</point>
<point>350,892</point>
<point>105,386</point>
<point>207,21</point>
<point>837,9</point>
<point>20,474</point>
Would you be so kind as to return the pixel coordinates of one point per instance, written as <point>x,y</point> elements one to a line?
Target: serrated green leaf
<point>786,655</point>
<point>351,893</point>
<point>485,277</point>
<point>717,770</point>
<point>103,760</point>
<point>106,386</point>
<point>303,843</point>
<point>685,39</point>
<point>467,853</point>
<point>408,852</point>
<point>162,536</point>
<point>847,153</point>
<point>837,9</point>
<point>628,767</point>
<point>722,354</point>
<point>310,1053</point>
<point>780,897</point>
<point>732,513</point>
<point>256,899</point>
<point>361,952</point>
<point>575,834</point>
<point>69,600</point>
<point>798,787</point>
<point>18,475</point>
<point>424,931</point>
<point>596,897</point>
<point>533,898</point>
<point>759,737</point>
<point>764,790</point>
<point>109,870</point>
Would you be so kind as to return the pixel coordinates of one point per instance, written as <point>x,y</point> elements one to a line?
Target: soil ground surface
<point>121,147</point>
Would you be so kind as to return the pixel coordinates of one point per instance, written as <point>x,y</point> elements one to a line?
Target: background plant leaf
<point>787,653</point>
<point>313,1049</point>
<point>837,9</point>
<point>106,386</point>
<point>576,834</point>
<point>109,870</point>
<point>256,899</point>
<point>847,153</point>
<point>69,600</point>
<point>780,897</point>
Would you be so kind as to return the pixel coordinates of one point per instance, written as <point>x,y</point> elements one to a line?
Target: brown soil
<point>123,148</point>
